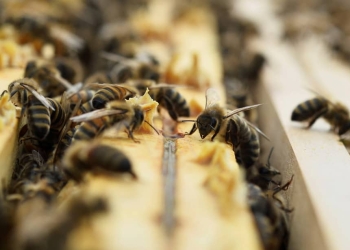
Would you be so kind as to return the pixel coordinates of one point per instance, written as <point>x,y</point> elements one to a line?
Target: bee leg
<point>194,128</point>
<point>130,135</point>
<point>318,115</point>
<point>170,108</point>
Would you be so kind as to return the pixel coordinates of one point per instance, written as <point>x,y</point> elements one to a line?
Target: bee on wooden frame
<point>82,157</point>
<point>166,95</point>
<point>336,114</point>
<point>116,113</point>
<point>230,127</point>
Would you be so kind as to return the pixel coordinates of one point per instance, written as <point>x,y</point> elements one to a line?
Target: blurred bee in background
<point>118,73</point>
<point>238,96</point>
<point>143,66</point>
<point>166,95</point>
<point>120,38</point>
<point>231,128</point>
<point>54,226</point>
<point>49,77</point>
<point>7,223</point>
<point>336,114</point>
<point>263,175</point>
<point>270,216</point>
<point>82,157</point>
<point>42,28</point>
<point>116,113</point>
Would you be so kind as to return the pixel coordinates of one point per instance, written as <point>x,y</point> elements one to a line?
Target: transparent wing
<point>74,89</point>
<point>114,57</point>
<point>41,98</point>
<point>212,97</point>
<point>257,130</point>
<point>167,85</point>
<point>236,111</point>
<point>96,114</point>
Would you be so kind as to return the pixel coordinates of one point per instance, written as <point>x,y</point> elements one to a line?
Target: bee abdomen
<point>308,109</point>
<point>249,151</point>
<point>239,130</point>
<point>38,119</point>
<point>85,108</point>
<point>110,159</point>
<point>105,95</point>
<point>89,129</point>
<point>57,116</point>
<point>180,103</point>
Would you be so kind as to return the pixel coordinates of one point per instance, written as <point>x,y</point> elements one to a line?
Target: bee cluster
<point>81,86</point>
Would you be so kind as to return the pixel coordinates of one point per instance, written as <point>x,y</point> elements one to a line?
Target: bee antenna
<point>152,127</point>
<point>187,121</point>
<point>5,91</point>
<point>268,159</point>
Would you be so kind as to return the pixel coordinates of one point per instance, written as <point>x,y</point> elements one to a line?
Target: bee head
<point>139,116</point>
<point>206,124</point>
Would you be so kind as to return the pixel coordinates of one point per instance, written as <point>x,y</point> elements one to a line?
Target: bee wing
<point>96,114</point>
<point>41,98</point>
<point>167,85</point>
<point>212,97</point>
<point>114,57</point>
<point>323,96</point>
<point>236,111</point>
<point>74,88</point>
<point>257,130</point>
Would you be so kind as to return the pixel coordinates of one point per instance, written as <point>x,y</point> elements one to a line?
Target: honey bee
<point>166,95</point>
<point>41,120</point>
<point>38,118</point>
<point>53,227</point>
<point>116,113</point>
<point>264,175</point>
<point>336,114</point>
<point>118,73</point>
<point>49,78</point>
<point>111,92</point>
<point>141,67</point>
<point>82,157</point>
<point>231,128</point>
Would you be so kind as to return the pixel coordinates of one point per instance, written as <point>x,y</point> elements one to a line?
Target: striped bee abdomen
<point>108,94</point>
<point>308,109</point>
<point>57,116</point>
<point>180,104</point>
<point>89,129</point>
<point>238,131</point>
<point>109,158</point>
<point>38,118</point>
<point>249,151</point>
